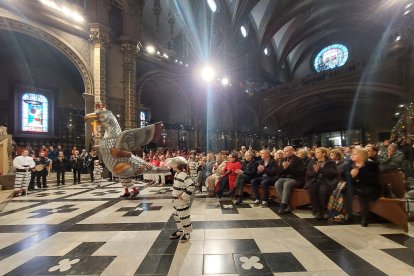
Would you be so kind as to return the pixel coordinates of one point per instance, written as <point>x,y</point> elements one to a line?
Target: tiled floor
<point>81,230</point>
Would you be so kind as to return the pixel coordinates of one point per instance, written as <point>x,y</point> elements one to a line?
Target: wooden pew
<point>299,197</point>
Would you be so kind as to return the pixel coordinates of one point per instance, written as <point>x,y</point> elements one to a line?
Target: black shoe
<point>44,187</point>
<point>364,223</point>
<point>185,237</point>
<point>126,195</point>
<point>265,204</point>
<point>281,209</point>
<point>256,202</point>
<point>239,201</point>
<point>24,193</point>
<point>177,234</point>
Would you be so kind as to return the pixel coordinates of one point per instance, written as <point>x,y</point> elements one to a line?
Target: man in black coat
<point>245,175</point>
<point>266,176</point>
<point>76,163</point>
<point>292,177</point>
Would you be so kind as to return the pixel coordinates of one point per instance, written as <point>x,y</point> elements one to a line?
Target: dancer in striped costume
<point>23,165</point>
<point>183,189</point>
<point>97,173</point>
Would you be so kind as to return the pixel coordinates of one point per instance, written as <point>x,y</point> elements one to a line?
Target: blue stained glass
<point>35,113</point>
<point>331,57</point>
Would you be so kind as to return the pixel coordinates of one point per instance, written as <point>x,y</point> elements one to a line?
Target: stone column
<point>100,40</point>
<point>89,108</point>
<point>130,52</point>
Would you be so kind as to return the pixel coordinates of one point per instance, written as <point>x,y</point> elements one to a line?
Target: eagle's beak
<point>91,116</point>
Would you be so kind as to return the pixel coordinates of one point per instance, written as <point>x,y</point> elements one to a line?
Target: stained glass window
<point>331,57</point>
<point>143,118</point>
<point>35,112</point>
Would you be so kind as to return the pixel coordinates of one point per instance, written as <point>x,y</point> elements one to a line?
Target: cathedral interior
<point>219,74</point>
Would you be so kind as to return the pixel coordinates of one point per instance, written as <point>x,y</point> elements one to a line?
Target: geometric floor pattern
<point>80,230</point>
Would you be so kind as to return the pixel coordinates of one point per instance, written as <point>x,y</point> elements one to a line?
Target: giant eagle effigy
<point>116,148</point>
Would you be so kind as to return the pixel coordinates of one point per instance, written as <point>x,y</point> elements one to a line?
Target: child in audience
<point>97,173</point>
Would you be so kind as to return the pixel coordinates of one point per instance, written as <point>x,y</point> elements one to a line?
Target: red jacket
<point>230,170</point>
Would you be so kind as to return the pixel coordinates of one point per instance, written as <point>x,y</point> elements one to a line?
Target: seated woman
<point>337,156</point>
<point>216,174</point>
<point>229,175</point>
<point>361,176</point>
<point>322,179</point>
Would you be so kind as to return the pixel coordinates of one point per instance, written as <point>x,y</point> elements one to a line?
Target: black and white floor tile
<point>81,230</point>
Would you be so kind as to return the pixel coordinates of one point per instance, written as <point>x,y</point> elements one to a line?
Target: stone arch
<point>11,24</point>
<point>158,75</point>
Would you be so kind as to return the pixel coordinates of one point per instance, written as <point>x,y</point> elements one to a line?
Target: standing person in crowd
<point>44,150</point>
<point>52,155</point>
<point>76,164</point>
<point>97,173</point>
<point>292,177</point>
<point>90,161</point>
<point>322,178</point>
<point>73,151</point>
<point>267,173</point>
<point>42,169</point>
<point>229,175</point>
<point>32,174</point>
<point>245,175</point>
<point>183,189</point>
<point>408,152</point>
<point>83,155</point>
<point>23,165</point>
<point>361,176</point>
<point>60,167</point>
<point>391,160</point>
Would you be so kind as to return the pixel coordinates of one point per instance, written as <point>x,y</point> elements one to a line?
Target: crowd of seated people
<point>317,169</point>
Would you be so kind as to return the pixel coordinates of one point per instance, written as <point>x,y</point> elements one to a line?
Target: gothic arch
<point>31,29</point>
<point>158,75</point>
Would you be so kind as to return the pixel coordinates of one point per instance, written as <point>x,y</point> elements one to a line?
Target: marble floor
<point>80,230</point>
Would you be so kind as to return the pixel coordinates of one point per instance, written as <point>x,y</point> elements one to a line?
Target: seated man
<point>391,160</point>
<point>292,177</point>
<point>267,174</point>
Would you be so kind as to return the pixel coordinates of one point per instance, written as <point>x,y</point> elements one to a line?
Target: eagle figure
<point>116,146</point>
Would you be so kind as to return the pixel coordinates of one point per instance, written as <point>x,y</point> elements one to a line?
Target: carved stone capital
<point>129,51</point>
<point>99,35</point>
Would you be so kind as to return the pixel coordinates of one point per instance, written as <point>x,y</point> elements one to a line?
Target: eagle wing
<point>134,139</point>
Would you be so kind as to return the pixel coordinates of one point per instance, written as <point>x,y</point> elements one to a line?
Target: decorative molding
<point>129,51</point>
<point>99,36</point>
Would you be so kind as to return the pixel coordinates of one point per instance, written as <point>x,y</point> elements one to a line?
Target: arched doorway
<point>32,69</point>
<point>163,99</point>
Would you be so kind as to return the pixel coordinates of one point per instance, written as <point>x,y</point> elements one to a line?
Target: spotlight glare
<point>408,6</point>
<point>176,61</point>
<point>181,62</point>
<point>186,65</point>
<point>407,12</point>
<point>150,49</point>
<point>207,73</point>
<point>212,4</point>
<point>266,51</point>
<point>243,31</point>
<point>398,38</point>
<point>165,55</point>
<point>401,105</point>
<point>225,81</point>
<point>158,53</point>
